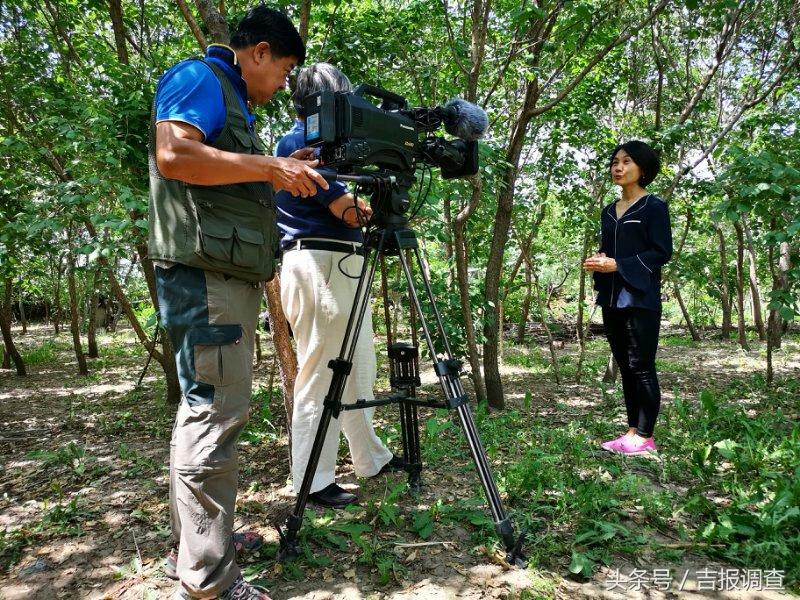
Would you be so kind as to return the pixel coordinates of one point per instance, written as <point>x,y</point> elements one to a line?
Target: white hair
<point>317,78</point>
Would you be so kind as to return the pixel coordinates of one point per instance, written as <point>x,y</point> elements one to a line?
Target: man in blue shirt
<point>213,238</point>
<point>322,259</point>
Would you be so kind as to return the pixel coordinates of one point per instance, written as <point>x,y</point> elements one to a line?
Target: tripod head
<point>388,194</point>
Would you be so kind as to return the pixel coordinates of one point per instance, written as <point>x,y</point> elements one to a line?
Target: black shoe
<point>395,464</point>
<point>333,496</point>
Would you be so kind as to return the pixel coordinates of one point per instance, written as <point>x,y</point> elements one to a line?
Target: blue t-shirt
<point>309,217</point>
<point>190,92</point>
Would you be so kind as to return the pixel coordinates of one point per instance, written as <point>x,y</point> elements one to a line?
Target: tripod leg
<point>455,396</point>
<point>333,401</point>
<point>414,459</point>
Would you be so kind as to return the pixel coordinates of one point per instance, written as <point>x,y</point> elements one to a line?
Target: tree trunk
<point>543,314</point>
<point>166,358</point>
<point>462,281</point>
<point>214,21</point>
<point>23,319</point>
<point>784,266</point>
<point>740,285</point>
<point>755,294</point>
<point>773,321</point>
<point>501,315</point>
<point>493,325</point>
<point>526,307</point>
<point>287,359</point>
<point>74,318</point>
<point>305,18</point>
<point>612,370</point>
<point>57,297</point>
<point>447,213</point>
<point>724,289</point>
<point>5,305</point>
<point>11,352</point>
<point>91,330</point>
<point>579,331</point>
<point>117,24</point>
<point>193,26</point>
<point>685,313</point>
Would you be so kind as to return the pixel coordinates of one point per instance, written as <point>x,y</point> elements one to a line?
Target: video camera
<point>381,146</point>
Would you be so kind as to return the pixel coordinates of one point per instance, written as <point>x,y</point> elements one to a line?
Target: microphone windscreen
<point>470,121</point>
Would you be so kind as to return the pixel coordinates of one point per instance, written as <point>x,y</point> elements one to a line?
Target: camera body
<point>354,134</point>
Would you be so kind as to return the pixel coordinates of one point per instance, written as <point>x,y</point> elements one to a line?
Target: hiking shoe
<point>613,445</point>
<point>238,590</point>
<point>241,590</point>
<point>171,563</point>
<point>633,447</point>
<point>244,541</point>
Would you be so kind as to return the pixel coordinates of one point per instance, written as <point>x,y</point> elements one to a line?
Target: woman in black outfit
<point>636,242</point>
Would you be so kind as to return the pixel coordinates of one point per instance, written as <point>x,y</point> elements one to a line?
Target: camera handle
<point>329,175</point>
<point>391,101</point>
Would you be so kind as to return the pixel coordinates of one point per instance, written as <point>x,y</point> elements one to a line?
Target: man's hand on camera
<point>354,213</point>
<point>297,177</point>
<point>303,154</point>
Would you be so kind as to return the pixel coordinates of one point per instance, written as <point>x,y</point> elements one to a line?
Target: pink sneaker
<point>631,447</point>
<point>613,445</point>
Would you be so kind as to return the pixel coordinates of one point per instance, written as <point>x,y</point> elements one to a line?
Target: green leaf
<point>581,564</point>
<point>727,448</point>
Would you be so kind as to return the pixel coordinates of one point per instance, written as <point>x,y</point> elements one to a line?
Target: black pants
<point>632,334</point>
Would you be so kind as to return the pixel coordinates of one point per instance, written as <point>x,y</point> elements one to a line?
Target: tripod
<point>394,238</point>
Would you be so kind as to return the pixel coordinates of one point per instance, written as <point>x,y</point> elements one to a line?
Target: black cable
<point>362,222</point>
<point>421,203</point>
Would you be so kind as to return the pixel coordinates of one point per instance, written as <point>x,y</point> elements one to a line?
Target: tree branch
<point>198,35</point>
<point>620,39</point>
<point>215,22</point>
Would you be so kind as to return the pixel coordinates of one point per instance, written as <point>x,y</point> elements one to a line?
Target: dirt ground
<point>104,516</point>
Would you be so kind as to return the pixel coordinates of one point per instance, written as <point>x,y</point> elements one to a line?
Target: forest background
<point>713,85</point>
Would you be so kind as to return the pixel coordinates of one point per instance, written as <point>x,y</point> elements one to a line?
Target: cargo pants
<point>211,320</point>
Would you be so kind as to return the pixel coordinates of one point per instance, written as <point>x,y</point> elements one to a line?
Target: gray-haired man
<point>322,257</point>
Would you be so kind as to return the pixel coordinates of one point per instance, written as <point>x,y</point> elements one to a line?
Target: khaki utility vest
<point>230,229</point>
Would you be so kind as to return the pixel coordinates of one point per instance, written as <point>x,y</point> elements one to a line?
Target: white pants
<point>317,298</point>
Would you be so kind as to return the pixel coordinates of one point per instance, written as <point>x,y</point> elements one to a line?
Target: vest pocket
<point>247,247</point>
<point>219,355</point>
<point>217,239</point>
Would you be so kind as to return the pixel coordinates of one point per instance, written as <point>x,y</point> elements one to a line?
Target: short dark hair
<point>264,24</point>
<point>645,158</point>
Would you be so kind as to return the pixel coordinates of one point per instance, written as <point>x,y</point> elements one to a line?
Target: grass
<point>43,353</point>
<point>738,447</point>
<point>727,487</point>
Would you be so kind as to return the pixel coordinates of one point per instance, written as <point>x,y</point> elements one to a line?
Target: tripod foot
<point>414,478</point>
<point>415,486</point>
<point>289,548</point>
<point>515,557</point>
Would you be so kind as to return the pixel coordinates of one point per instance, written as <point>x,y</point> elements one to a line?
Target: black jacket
<point>641,243</point>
